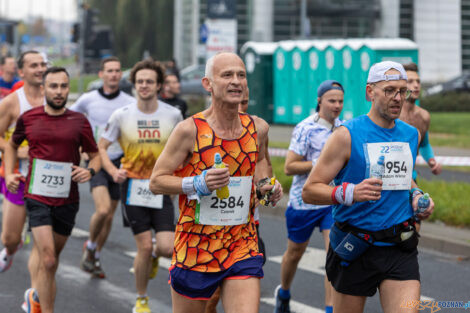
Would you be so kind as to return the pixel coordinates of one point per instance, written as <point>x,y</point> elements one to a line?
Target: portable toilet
<point>316,71</point>
<point>258,58</point>
<point>350,82</point>
<point>333,60</point>
<point>282,82</point>
<point>382,49</point>
<point>299,81</point>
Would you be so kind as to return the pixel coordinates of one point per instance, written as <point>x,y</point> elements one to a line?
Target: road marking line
<point>80,233</point>
<point>313,261</point>
<point>122,295</point>
<point>294,306</point>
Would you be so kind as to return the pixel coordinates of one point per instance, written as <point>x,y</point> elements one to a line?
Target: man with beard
<point>55,136</point>
<point>142,129</point>
<point>98,105</point>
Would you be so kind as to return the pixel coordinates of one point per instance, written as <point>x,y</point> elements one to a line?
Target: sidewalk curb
<point>439,242</point>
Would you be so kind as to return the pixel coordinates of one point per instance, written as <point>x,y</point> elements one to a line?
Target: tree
<point>139,25</point>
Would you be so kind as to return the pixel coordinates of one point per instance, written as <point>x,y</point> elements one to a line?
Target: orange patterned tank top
<point>209,248</point>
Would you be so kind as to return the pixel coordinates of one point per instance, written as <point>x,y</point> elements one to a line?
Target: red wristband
<point>333,197</point>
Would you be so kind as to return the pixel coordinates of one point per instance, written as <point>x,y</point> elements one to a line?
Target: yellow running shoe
<point>141,305</point>
<point>154,270</point>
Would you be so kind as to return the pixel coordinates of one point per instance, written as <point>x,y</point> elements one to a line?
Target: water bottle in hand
<point>378,170</point>
<point>423,203</point>
<point>222,193</point>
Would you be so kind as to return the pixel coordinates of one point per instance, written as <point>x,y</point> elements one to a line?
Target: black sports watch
<point>92,171</point>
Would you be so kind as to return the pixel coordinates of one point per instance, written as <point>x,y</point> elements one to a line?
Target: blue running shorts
<point>301,223</point>
<point>201,285</point>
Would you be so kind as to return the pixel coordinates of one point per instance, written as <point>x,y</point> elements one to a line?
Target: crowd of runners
<point>144,152</point>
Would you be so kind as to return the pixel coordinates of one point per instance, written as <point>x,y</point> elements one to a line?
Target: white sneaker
<point>5,260</point>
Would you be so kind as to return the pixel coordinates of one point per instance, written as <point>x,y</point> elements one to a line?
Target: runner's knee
<point>10,239</point>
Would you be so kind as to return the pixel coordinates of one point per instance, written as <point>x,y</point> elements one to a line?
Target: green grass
<point>278,144</point>
<point>450,129</point>
<point>86,80</point>
<point>451,201</point>
<point>64,62</point>
<point>278,169</point>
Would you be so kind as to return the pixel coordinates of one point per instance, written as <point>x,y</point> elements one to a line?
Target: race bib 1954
<point>398,163</point>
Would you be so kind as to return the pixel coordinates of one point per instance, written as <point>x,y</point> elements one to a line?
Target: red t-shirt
<point>54,138</point>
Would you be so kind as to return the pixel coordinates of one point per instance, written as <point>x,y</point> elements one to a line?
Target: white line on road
<point>313,261</point>
<point>122,295</point>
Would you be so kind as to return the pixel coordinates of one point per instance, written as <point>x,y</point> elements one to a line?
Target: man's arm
<point>6,107</point>
<point>81,174</point>
<point>263,166</point>
<point>175,154</point>
<point>119,175</point>
<point>12,180</point>
<point>333,158</point>
<point>296,165</point>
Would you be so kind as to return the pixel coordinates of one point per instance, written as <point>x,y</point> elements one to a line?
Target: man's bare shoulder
<point>424,114</point>
<point>185,129</point>
<point>10,105</point>
<point>261,124</point>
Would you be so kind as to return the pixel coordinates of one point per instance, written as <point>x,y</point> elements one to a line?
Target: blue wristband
<point>200,184</point>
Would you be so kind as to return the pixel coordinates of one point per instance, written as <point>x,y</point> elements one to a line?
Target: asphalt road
<point>444,277</point>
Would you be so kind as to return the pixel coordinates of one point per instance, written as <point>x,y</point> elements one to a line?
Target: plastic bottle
<point>222,193</point>
<point>423,203</point>
<point>378,170</point>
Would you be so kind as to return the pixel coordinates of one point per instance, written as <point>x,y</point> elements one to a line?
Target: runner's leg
<point>328,287</point>
<point>182,304</point>
<point>241,295</point>
<point>14,216</point>
<point>343,303</point>
<point>49,246</point>
<point>290,260</point>
<point>142,261</point>
<point>394,292</point>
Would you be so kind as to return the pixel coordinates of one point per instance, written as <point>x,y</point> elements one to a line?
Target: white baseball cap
<point>378,70</point>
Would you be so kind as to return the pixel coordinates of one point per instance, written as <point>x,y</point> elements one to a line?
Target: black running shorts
<point>141,218</point>
<point>61,218</point>
<point>363,276</point>
<point>102,178</point>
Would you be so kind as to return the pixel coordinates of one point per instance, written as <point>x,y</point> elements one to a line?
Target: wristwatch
<point>92,171</point>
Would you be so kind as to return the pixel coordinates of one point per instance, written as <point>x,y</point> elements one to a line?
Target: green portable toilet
<point>333,60</point>
<point>258,58</point>
<point>351,69</point>
<point>316,71</point>
<point>282,68</point>
<point>382,49</point>
<point>299,81</point>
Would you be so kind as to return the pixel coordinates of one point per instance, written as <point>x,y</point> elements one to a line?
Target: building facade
<point>441,28</point>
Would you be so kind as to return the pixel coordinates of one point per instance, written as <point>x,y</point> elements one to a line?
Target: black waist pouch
<point>409,239</point>
<point>347,245</point>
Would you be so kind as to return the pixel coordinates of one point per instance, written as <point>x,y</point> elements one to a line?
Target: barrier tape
<point>444,160</point>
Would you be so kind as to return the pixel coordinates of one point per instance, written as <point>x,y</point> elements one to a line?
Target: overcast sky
<point>54,9</point>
